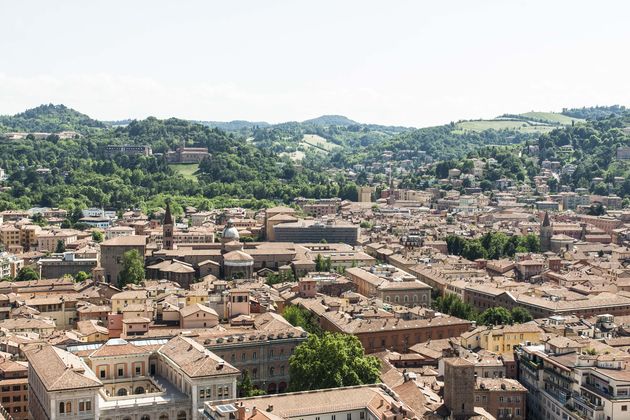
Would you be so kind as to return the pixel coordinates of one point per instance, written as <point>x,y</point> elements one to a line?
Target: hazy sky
<point>414,63</point>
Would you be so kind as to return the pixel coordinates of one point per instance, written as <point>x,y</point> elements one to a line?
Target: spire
<point>545,222</point>
<point>168,218</point>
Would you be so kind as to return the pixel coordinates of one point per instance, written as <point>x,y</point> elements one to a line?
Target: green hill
<point>49,118</point>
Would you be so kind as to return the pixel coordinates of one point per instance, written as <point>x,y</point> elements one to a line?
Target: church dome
<point>230,232</point>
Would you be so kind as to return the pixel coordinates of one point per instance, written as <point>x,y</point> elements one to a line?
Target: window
<point>349,416</point>
<point>68,407</point>
<point>17,387</point>
<point>243,357</point>
<point>624,408</point>
<point>121,371</point>
<point>362,415</point>
<point>137,370</point>
<point>202,394</point>
<point>254,355</point>
<point>6,399</point>
<point>17,398</point>
<point>333,417</point>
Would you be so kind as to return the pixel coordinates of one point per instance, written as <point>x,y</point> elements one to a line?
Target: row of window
<point>66,407</point>
<point>254,355</point>
<point>16,398</point>
<point>348,416</point>
<point>223,391</point>
<point>14,388</point>
<point>405,298</point>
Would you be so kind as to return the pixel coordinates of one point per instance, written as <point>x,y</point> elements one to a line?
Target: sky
<point>413,63</point>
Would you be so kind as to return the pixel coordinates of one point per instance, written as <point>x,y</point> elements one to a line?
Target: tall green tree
<point>61,247</point>
<point>521,315</point>
<point>331,361</point>
<point>246,387</point>
<point>133,268</point>
<point>27,273</point>
<point>495,316</point>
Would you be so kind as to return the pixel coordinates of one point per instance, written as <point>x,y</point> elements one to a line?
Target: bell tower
<point>167,229</point>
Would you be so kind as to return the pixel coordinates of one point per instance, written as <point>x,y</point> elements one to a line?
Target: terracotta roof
<point>117,347</point>
<point>194,360</point>
<point>57,373</point>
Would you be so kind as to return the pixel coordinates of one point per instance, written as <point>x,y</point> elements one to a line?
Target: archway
<point>138,390</point>
<point>181,415</point>
<point>145,417</point>
<point>122,392</point>
<point>163,416</point>
<point>271,389</point>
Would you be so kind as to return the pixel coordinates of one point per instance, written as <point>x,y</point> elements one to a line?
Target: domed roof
<point>230,232</point>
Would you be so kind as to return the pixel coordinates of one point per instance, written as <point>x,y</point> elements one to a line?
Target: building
<point>187,155</point>
<point>390,284</point>
<point>367,402</point>
<point>459,380</point>
<point>502,397</point>
<point>68,263</point>
<point>14,388</point>
<point>502,339</point>
<point>546,232</point>
<point>47,241</point>
<point>129,150</point>
<point>10,265</point>
<point>314,231</point>
<point>365,194</point>
<point>120,380</point>
<point>112,252</point>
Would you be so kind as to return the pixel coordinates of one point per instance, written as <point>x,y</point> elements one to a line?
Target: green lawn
<point>187,170</point>
<point>313,140</point>
<point>552,117</point>
<point>501,125</point>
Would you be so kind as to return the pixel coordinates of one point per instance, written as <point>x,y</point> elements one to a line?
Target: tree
<point>81,276</point>
<point>301,317</point>
<point>246,388</point>
<point>495,316</point>
<point>521,315</point>
<point>97,236</point>
<point>27,273</point>
<point>331,361</point>
<point>61,247</point>
<point>133,268</point>
<point>452,305</point>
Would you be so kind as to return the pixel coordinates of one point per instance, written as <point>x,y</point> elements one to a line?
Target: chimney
<point>241,412</point>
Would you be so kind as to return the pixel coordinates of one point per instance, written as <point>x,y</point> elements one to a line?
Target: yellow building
<point>9,236</point>
<point>502,339</point>
<point>128,297</point>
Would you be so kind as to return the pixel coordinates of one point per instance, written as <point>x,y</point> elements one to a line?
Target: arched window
<point>122,392</point>
<point>139,390</point>
<point>415,298</point>
<point>163,416</point>
<point>62,407</point>
<point>181,415</point>
<point>396,299</point>
<point>68,407</point>
<point>145,417</point>
<point>387,299</point>
<point>424,298</point>
<point>271,370</point>
<point>406,298</point>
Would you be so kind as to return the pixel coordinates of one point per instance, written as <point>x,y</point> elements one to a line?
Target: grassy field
<point>187,170</point>
<point>552,117</point>
<point>501,125</point>
<point>313,140</point>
